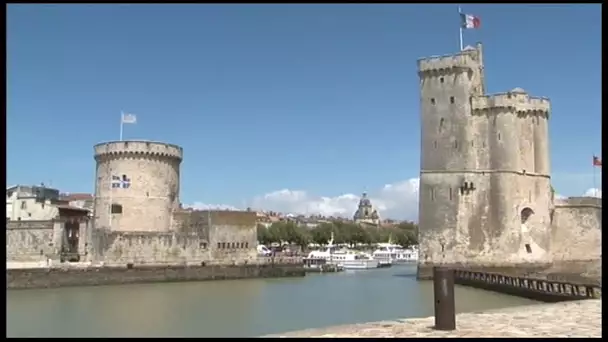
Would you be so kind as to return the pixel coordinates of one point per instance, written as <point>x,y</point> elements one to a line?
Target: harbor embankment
<point>91,275</point>
<point>566,319</point>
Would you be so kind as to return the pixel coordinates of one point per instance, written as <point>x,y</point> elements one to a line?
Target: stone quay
<point>566,319</point>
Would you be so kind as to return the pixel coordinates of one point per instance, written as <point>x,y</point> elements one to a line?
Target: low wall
<point>29,241</point>
<point>90,276</point>
<point>577,230</point>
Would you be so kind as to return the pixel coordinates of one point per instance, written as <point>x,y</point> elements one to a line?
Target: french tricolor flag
<point>469,21</point>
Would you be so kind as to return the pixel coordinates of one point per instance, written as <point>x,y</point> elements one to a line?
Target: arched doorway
<point>524,216</point>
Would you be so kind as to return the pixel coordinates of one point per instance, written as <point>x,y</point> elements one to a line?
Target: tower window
<point>452,99</point>
<point>116,209</point>
<point>441,79</point>
<point>450,194</point>
<point>456,144</point>
<point>432,101</point>
<point>435,143</point>
<point>432,192</point>
<point>441,122</point>
<point>498,136</point>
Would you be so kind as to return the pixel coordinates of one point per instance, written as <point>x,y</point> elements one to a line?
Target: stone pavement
<point>566,319</point>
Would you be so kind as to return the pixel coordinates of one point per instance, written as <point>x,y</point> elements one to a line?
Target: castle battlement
<point>137,185</point>
<point>138,149</point>
<point>516,100</point>
<point>468,59</point>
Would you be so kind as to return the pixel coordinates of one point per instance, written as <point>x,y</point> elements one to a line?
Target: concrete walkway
<point>566,319</point>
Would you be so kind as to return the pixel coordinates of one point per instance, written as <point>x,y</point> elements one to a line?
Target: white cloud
<point>203,206</point>
<point>593,193</point>
<point>397,200</point>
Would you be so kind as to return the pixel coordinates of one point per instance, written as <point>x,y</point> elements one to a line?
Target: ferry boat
<point>345,258</point>
<point>395,254</point>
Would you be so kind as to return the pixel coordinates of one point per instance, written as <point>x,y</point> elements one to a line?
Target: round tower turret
<point>137,185</point>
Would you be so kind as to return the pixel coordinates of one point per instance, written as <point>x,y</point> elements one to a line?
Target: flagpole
<point>122,116</point>
<point>594,187</point>
<point>461,41</point>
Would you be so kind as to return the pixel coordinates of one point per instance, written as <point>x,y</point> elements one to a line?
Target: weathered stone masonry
<point>485,192</point>
<point>138,219</point>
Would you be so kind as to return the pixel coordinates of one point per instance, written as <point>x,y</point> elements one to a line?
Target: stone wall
<point>577,229</point>
<point>149,247</point>
<point>233,235</point>
<point>56,277</point>
<point>483,225</point>
<point>232,238</point>
<point>29,241</point>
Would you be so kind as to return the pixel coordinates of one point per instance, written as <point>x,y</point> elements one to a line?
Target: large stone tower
<point>137,185</point>
<point>485,193</point>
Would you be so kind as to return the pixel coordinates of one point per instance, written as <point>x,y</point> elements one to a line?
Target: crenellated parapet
<point>137,150</point>
<point>468,59</point>
<point>516,100</point>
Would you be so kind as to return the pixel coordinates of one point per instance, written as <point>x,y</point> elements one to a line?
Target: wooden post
<point>445,308</point>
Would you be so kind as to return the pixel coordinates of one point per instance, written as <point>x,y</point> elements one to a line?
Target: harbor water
<point>240,308</point>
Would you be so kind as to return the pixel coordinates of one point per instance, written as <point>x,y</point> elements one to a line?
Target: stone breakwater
<point>565,319</point>
<point>90,275</point>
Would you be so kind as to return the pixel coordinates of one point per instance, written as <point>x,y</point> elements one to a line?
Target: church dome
<point>364,202</point>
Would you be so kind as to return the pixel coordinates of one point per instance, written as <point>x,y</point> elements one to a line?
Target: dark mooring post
<point>445,307</point>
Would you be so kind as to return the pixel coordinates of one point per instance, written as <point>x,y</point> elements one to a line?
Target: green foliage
<point>322,233</point>
<point>283,231</point>
<point>405,234</point>
<point>264,236</point>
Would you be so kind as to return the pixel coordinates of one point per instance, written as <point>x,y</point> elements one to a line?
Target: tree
<point>277,232</point>
<point>321,233</point>
<point>356,234</point>
<point>301,236</point>
<point>374,235</point>
<point>407,226</point>
<point>264,236</point>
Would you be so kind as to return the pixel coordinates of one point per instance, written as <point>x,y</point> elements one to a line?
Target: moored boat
<point>395,254</point>
<point>345,258</point>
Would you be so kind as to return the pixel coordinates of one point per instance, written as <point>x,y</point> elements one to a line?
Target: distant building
<point>79,200</point>
<point>366,214</point>
<point>35,203</point>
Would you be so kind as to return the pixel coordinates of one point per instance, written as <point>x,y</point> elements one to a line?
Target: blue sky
<point>318,98</point>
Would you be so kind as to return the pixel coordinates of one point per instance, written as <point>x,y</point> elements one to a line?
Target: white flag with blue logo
<point>129,118</point>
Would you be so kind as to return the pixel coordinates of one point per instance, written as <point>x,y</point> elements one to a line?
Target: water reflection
<point>240,308</point>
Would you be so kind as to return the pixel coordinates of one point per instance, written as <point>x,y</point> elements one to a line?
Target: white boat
<point>345,258</point>
<point>389,252</point>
